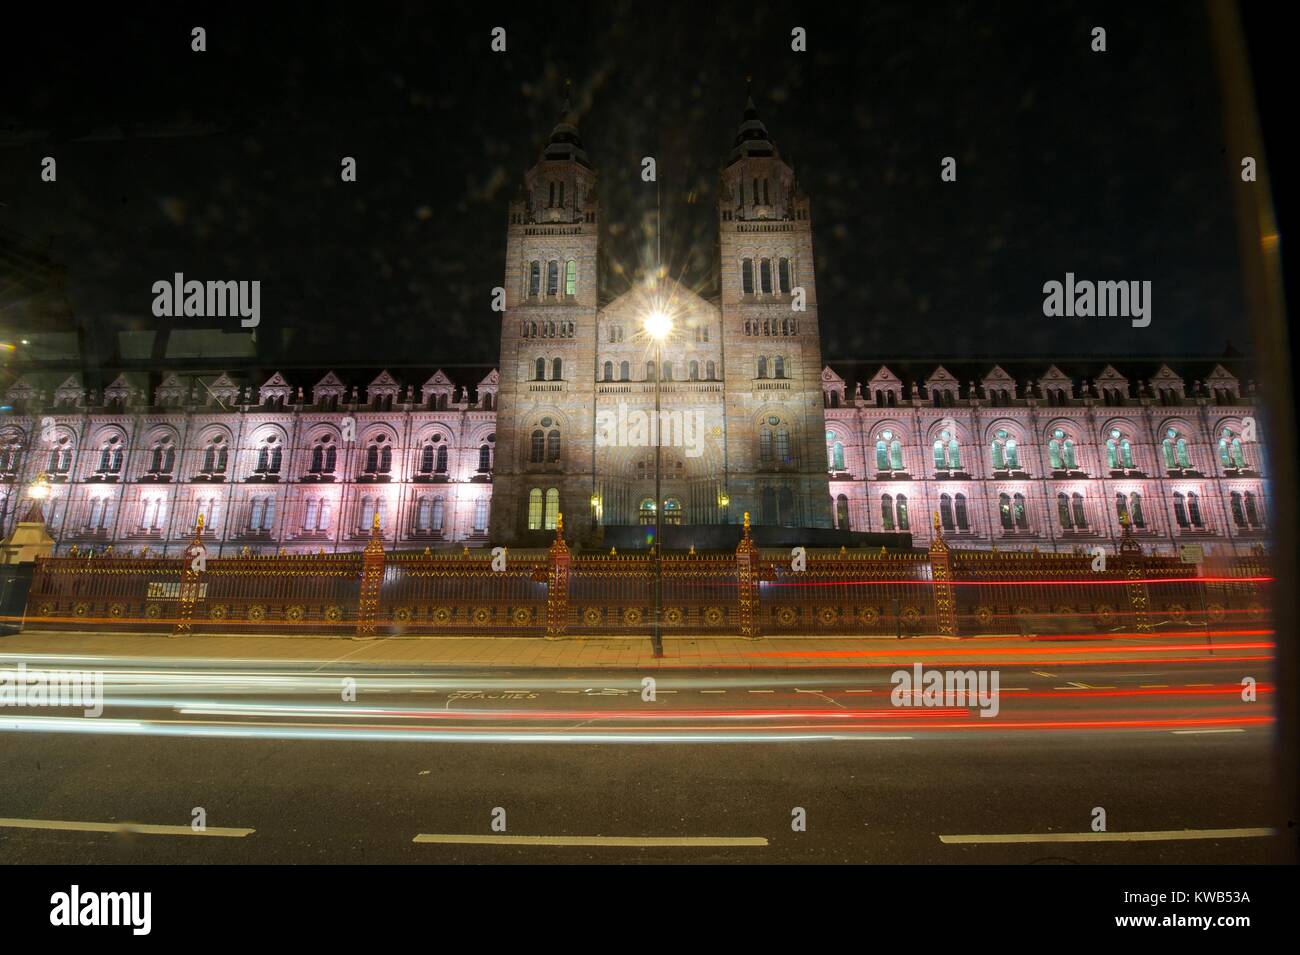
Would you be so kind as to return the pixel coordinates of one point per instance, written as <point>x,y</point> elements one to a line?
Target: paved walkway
<point>632,653</point>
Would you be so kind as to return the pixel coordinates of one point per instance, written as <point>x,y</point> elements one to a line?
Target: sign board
<point>1191,553</point>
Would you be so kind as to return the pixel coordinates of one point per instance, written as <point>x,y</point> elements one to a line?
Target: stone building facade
<point>738,377</point>
<point>751,419</point>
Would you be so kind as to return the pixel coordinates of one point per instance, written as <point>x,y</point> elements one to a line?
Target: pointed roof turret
<point>752,138</point>
<point>565,143</point>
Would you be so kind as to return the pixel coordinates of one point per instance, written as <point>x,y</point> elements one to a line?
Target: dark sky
<point>226,164</point>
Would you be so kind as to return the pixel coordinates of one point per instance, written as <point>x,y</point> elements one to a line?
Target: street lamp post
<point>657,326</point>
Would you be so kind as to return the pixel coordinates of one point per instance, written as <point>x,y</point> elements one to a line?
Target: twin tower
<point>738,376</point>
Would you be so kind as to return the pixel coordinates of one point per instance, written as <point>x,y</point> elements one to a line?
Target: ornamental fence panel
<point>752,593</point>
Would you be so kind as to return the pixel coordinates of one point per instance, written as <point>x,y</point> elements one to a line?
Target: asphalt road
<point>716,765</point>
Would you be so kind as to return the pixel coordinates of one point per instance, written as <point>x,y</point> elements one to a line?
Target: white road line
<point>1153,686</point>
<point>1198,684</point>
<point>131,827</point>
<point>1041,673</point>
<point>762,691</point>
<point>579,691</point>
<point>607,841</point>
<point>1204,732</point>
<point>859,691</point>
<point>1162,835</point>
<point>713,691</point>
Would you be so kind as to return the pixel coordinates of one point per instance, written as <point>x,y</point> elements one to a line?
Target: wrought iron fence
<point>556,593</point>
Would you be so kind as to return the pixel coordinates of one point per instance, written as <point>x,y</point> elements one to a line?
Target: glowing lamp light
<point>658,325</point>
<point>41,489</point>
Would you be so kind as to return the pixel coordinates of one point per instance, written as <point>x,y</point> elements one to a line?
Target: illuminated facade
<point>753,421</point>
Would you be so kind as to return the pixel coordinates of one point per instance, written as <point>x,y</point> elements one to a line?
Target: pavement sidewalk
<point>632,653</point>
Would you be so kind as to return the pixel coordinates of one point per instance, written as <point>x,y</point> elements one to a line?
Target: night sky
<point>225,165</point>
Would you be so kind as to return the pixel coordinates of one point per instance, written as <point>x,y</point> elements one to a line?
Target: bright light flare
<point>658,325</point>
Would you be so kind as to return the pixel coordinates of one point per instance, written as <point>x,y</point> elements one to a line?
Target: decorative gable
<point>223,390</point>
<point>171,391</point>
<point>385,386</point>
<point>438,387</point>
<point>998,381</point>
<point>1166,379</point>
<point>275,388</point>
<point>331,386</point>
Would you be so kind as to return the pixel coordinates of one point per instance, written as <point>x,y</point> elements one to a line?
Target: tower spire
<point>565,143</point>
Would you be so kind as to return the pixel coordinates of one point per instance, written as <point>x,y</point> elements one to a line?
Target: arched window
<point>1063,510</point>
<point>1194,509</point>
<point>842,513</point>
<point>1175,451</point>
<point>552,278</point>
<point>762,366</point>
<point>1238,515</point>
<point>571,277</point>
<point>553,445</point>
<point>646,511</point>
<point>534,282</point>
<point>896,455</point>
<point>1004,511</point>
<point>440,461</point>
<point>694,371</point>
<point>963,521</point>
<point>425,511</point>
<point>269,456</point>
<point>480,521</point>
<point>261,514</point>
<point>1119,452</point>
<point>837,456</point>
<point>779,363</point>
<point>215,455</point>
<point>672,511</point>
<point>557,370</point>
<point>765,445</point>
<point>900,510</point>
<point>537,450</point>
<point>535,509</point>
<point>765,275</point>
<point>1180,509</point>
<point>783,455</point>
<point>609,371</point>
<point>649,371</point>
<point>1121,507</point>
<point>1019,512</point>
<point>1135,509</point>
<point>668,371</point>
<point>484,459</point>
<point>1231,454</point>
<point>783,274</point>
<point>1004,452</point>
<point>1252,511</point>
<point>945,512</point>
<point>711,370</point>
<point>887,512</point>
<point>747,276</point>
<point>623,371</point>
<point>1080,515</point>
<point>947,452</point>
<point>552,508</point>
<point>1060,452</point>
<point>539,370</point>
